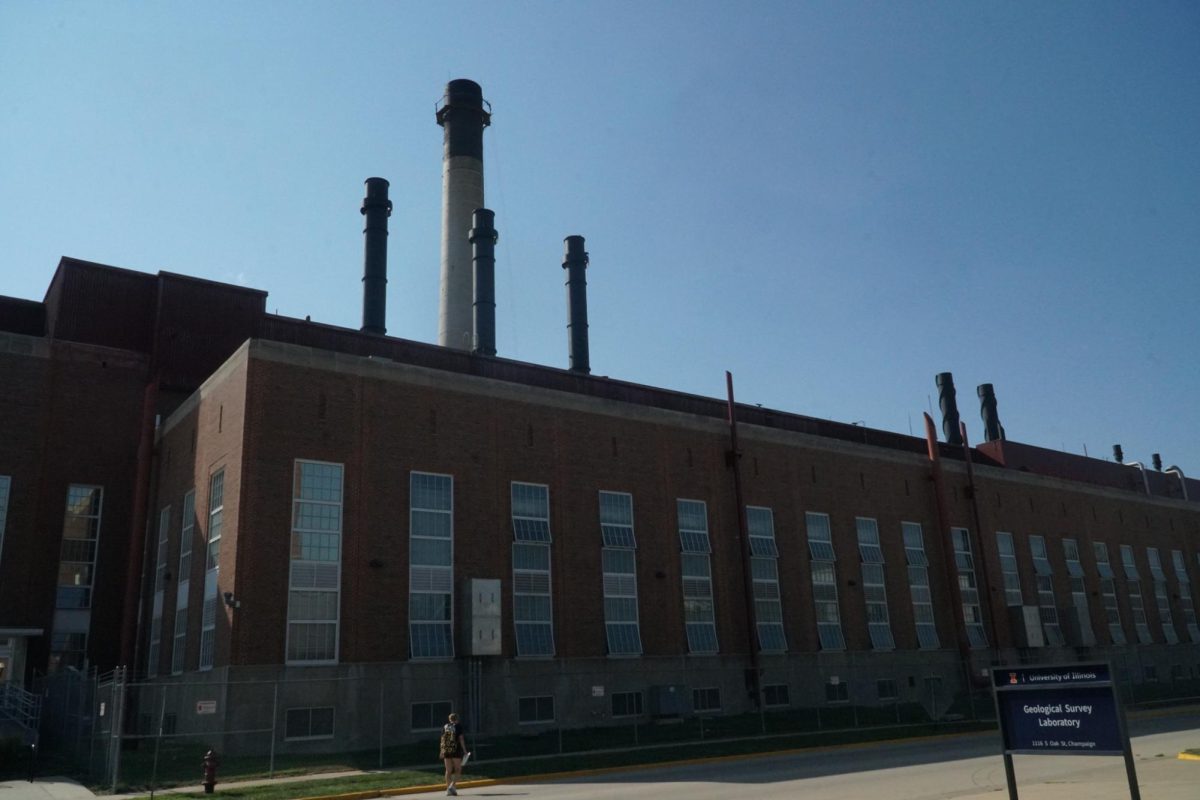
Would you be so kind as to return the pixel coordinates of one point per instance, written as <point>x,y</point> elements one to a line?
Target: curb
<point>1188,755</point>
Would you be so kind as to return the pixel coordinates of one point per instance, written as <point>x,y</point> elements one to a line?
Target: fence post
<point>381,722</point>
<point>118,697</point>
<point>274,718</point>
<point>162,712</point>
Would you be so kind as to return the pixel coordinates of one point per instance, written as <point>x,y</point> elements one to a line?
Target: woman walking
<point>453,747</point>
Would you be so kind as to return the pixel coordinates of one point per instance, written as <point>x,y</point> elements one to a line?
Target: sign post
<point>1060,710</point>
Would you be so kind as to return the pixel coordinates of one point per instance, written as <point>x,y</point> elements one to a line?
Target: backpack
<point>448,743</point>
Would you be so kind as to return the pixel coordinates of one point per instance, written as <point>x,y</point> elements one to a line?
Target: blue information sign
<point>1058,710</point>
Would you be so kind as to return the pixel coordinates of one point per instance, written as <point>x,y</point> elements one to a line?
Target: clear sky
<point>834,201</point>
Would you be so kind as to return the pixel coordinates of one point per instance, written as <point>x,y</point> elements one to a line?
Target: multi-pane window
<point>626,704</point>
<point>183,584</point>
<point>431,715</point>
<point>1137,606</point>
<point>81,532</point>
<point>1008,568</point>
<point>5,486</point>
<point>212,565</point>
<point>316,563</point>
<point>618,555</point>
<point>531,569</point>
<point>1186,604</point>
<point>308,723</point>
<point>706,699</point>
<point>764,568</point>
<point>1108,593</point>
<point>1047,608</point>
<point>1078,590</point>
<point>699,611</point>
<point>775,695</point>
<point>431,565</point>
<point>67,650</point>
<point>837,691</point>
<point>968,587</point>
<point>535,709</point>
<point>874,587</point>
<point>824,580</point>
<point>1161,600</point>
<point>918,584</point>
<point>154,651</point>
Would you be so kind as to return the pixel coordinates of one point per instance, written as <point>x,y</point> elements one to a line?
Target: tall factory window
<point>76,575</point>
<point>1108,591</point>
<point>1008,568</point>
<point>531,569</point>
<point>5,485</point>
<point>972,611</point>
<point>1161,600</point>
<point>431,565</point>
<point>874,588</point>
<point>1078,588</point>
<point>212,563</point>
<point>698,609</point>
<point>81,532</point>
<point>1186,603</point>
<point>316,564</point>
<point>619,557</point>
<point>1137,606</point>
<point>764,568</point>
<point>824,579</point>
<point>918,584</point>
<point>1047,608</point>
<point>184,582</point>
<point>154,651</point>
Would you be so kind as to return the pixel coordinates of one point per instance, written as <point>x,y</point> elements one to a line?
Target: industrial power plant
<point>278,535</point>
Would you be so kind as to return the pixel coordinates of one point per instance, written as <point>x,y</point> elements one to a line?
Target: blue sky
<point>834,201</point>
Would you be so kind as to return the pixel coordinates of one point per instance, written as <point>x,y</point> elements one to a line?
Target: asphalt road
<point>959,768</point>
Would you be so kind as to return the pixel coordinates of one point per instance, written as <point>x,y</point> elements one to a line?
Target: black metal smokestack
<point>949,405</point>
<point>575,261</point>
<point>483,259</point>
<point>1118,454</point>
<point>376,208</point>
<point>463,116</point>
<point>992,430</point>
<point>1156,460</point>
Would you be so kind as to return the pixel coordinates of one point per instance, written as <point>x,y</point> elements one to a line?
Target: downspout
<point>137,528</point>
<point>1145,480</point>
<point>986,583</point>
<point>734,462</point>
<point>943,513</point>
<point>1178,473</point>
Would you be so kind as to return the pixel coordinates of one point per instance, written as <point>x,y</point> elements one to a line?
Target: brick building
<point>323,501</point>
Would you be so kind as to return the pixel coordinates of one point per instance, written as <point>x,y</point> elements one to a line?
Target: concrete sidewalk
<point>44,789</point>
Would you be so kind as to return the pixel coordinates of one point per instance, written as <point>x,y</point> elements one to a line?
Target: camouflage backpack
<point>447,744</point>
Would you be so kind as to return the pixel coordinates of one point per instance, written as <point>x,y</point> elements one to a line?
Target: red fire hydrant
<point>210,771</point>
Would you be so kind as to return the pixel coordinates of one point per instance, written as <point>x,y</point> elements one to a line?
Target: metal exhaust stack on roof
<point>463,118</point>
<point>1118,454</point>
<point>376,208</point>
<point>575,261</point>
<point>1156,460</point>
<point>483,257</point>
<point>992,430</point>
<point>949,405</point>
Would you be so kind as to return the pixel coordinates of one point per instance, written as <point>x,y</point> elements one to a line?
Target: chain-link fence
<point>264,721</point>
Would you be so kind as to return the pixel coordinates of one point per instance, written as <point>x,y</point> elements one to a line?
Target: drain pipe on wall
<point>1178,473</point>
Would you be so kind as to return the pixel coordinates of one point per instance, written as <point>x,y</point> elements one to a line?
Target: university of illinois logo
<point>1012,677</point>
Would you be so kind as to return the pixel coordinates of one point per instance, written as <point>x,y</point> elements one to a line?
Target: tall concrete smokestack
<point>376,208</point>
<point>947,399</point>
<point>463,118</point>
<point>575,261</point>
<point>992,429</point>
<point>483,257</point>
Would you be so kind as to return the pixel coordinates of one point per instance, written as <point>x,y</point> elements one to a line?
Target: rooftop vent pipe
<point>1118,454</point>
<point>949,405</point>
<point>575,261</point>
<point>1156,460</point>
<point>463,117</point>
<point>483,258</point>
<point>1178,473</point>
<point>376,208</point>
<point>992,430</point>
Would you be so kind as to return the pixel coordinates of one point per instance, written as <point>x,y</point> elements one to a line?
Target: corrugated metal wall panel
<point>98,304</point>
<point>26,317</point>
